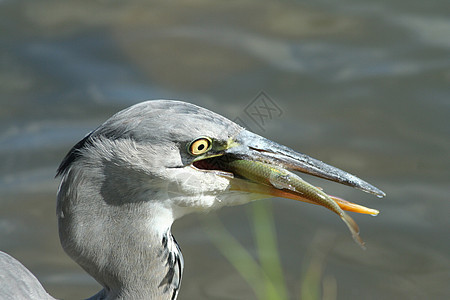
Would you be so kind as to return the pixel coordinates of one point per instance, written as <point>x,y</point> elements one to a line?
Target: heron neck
<point>126,246</point>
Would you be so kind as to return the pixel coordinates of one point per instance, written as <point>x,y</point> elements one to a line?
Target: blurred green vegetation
<point>264,274</point>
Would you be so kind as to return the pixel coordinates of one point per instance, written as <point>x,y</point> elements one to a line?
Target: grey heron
<point>126,182</point>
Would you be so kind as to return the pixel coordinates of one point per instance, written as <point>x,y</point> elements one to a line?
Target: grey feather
<point>17,282</point>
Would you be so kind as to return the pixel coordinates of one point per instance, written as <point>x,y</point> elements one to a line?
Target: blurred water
<point>362,85</point>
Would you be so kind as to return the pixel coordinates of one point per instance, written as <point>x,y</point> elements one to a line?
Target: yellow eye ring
<point>200,146</point>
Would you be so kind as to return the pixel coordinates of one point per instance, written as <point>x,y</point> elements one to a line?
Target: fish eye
<point>200,146</point>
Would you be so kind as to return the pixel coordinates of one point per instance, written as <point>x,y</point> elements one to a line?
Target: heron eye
<point>200,146</point>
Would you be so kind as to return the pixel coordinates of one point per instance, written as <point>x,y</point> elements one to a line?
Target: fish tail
<point>354,229</point>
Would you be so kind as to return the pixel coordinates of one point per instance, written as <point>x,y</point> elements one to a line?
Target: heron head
<point>182,152</point>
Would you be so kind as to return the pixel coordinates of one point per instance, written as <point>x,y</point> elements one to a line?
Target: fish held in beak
<point>282,183</point>
<point>261,166</point>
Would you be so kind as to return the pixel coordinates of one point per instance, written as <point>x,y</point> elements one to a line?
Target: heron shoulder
<point>17,282</point>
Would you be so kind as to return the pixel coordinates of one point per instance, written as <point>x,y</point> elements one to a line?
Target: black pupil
<point>201,147</point>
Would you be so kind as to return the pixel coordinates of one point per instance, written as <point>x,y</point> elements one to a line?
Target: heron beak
<point>257,151</point>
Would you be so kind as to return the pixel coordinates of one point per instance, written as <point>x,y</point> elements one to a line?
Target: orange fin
<point>349,206</point>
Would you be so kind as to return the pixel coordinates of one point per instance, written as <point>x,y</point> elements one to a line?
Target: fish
<point>283,183</point>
